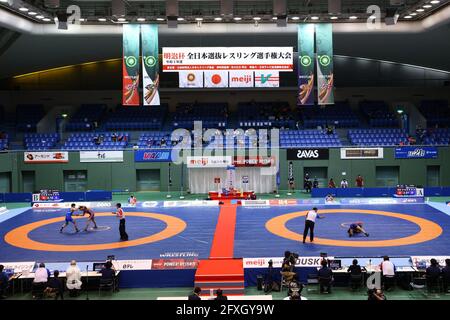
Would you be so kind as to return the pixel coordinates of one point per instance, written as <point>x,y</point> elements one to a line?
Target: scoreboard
<point>408,191</point>
<point>47,195</point>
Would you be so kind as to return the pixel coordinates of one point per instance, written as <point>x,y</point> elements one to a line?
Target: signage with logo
<point>168,264</point>
<point>255,203</point>
<point>253,161</point>
<point>227,58</point>
<point>216,79</point>
<point>361,153</point>
<point>153,155</point>
<point>267,79</point>
<point>241,79</point>
<point>124,265</point>
<point>245,179</point>
<point>251,263</point>
<point>424,261</point>
<point>411,152</point>
<point>19,267</point>
<point>66,205</point>
<point>101,156</point>
<point>308,154</point>
<point>216,180</point>
<point>190,79</point>
<point>46,157</point>
<point>291,171</point>
<point>187,203</point>
<point>209,162</point>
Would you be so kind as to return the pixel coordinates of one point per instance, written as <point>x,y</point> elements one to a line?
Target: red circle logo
<point>216,79</point>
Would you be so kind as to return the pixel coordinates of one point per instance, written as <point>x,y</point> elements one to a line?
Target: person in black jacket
<point>220,295</point>
<point>433,273</point>
<point>196,294</point>
<point>55,287</point>
<point>446,275</point>
<point>325,275</point>
<point>355,274</point>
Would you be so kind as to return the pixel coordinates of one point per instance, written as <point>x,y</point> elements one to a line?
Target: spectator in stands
<point>55,287</point>
<point>446,275</point>
<point>315,183</point>
<point>196,294</point>
<point>359,182</point>
<point>220,296</point>
<point>97,140</point>
<point>132,200</point>
<point>4,279</point>
<point>330,130</point>
<point>2,135</point>
<point>163,142</point>
<point>388,272</point>
<point>344,183</point>
<point>411,140</point>
<point>73,275</point>
<point>114,137</point>
<point>331,183</point>
<point>376,295</point>
<point>433,273</point>
<point>325,276</point>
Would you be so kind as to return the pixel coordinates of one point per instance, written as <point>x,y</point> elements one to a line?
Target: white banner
<point>66,205</point>
<point>255,203</point>
<point>195,203</point>
<point>241,79</point>
<point>19,267</point>
<point>227,58</point>
<point>267,79</point>
<point>278,261</point>
<point>101,156</point>
<point>46,157</point>
<point>124,265</point>
<point>190,79</point>
<point>216,79</point>
<point>361,153</point>
<point>209,162</point>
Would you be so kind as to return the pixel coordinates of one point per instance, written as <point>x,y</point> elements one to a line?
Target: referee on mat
<point>310,221</point>
<point>119,213</point>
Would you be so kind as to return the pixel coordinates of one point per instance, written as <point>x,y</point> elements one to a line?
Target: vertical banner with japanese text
<point>325,76</point>
<point>305,64</point>
<point>130,65</point>
<point>150,64</point>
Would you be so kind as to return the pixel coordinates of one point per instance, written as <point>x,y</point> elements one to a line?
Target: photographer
<point>287,268</point>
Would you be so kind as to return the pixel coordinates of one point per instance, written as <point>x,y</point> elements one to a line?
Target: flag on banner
<point>190,79</point>
<point>216,79</point>
<point>325,76</point>
<point>150,64</point>
<point>130,65</point>
<point>305,64</point>
<point>241,79</point>
<point>267,79</point>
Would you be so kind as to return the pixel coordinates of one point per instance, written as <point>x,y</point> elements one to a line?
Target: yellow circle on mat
<point>18,237</point>
<point>428,229</point>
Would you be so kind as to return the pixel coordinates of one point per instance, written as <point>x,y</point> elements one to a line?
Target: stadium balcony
<point>308,138</point>
<point>378,114</point>
<point>378,137</point>
<point>265,115</point>
<point>437,112</point>
<point>40,141</point>
<point>439,136</point>
<point>340,116</point>
<point>97,141</point>
<point>28,116</point>
<point>4,141</point>
<point>86,118</point>
<point>141,118</point>
<point>154,140</point>
<point>212,115</point>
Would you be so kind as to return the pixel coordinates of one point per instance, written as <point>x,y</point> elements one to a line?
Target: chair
<point>325,284</point>
<point>389,282</point>
<point>433,284</point>
<point>356,281</point>
<point>106,285</point>
<point>312,282</point>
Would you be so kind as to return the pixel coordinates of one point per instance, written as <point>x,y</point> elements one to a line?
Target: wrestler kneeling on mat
<point>356,227</point>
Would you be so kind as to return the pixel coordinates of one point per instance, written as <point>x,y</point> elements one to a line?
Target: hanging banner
<point>267,79</point>
<point>227,58</point>
<point>231,177</point>
<point>325,76</point>
<point>241,79</point>
<point>216,79</point>
<point>130,65</point>
<point>411,152</point>
<point>190,79</point>
<point>46,157</point>
<point>305,64</point>
<point>290,171</point>
<point>150,64</point>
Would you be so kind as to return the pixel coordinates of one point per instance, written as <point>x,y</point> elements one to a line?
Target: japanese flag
<point>216,79</point>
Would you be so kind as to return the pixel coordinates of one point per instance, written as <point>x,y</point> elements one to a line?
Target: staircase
<point>225,274</point>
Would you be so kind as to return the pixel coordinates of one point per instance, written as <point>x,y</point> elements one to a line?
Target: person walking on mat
<point>120,214</point>
<point>310,221</point>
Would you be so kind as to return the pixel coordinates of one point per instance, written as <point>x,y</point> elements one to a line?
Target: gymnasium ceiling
<point>246,11</point>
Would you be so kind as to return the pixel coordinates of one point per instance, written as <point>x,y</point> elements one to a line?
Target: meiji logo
<point>242,79</point>
<point>416,153</point>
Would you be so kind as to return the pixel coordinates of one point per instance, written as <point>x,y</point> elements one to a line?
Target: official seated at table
<point>325,276</point>
<point>355,275</point>
<point>4,282</point>
<point>388,272</point>
<point>73,275</point>
<point>446,275</point>
<point>433,273</point>
<point>108,277</point>
<point>55,287</point>
<point>40,281</point>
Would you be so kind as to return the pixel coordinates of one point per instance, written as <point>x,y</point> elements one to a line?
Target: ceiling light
<point>82,19</point>
<point>46,20</point>
<point>420,10</point>
<point>427,6</point>
<point>102,19</point>
<point>334,18</point>
<point>32,13</point>
<point>413,14</point>
<point>180,19</point>
<point>353,17</point>
<point>314,18</point>
<point>199,19</point>
<point>274,18</point>
<point>217,19</point>
<point>40,17</point>
<point>140,19</point>
<point>23,9</point>
<point>435,2</point>
<point>121,19</point>
<point>408,17</point>
<point>295,18</point>
<point>237,18</point>
<point>3,1</point>
<point>256,18</point>
<point>159,19</point>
